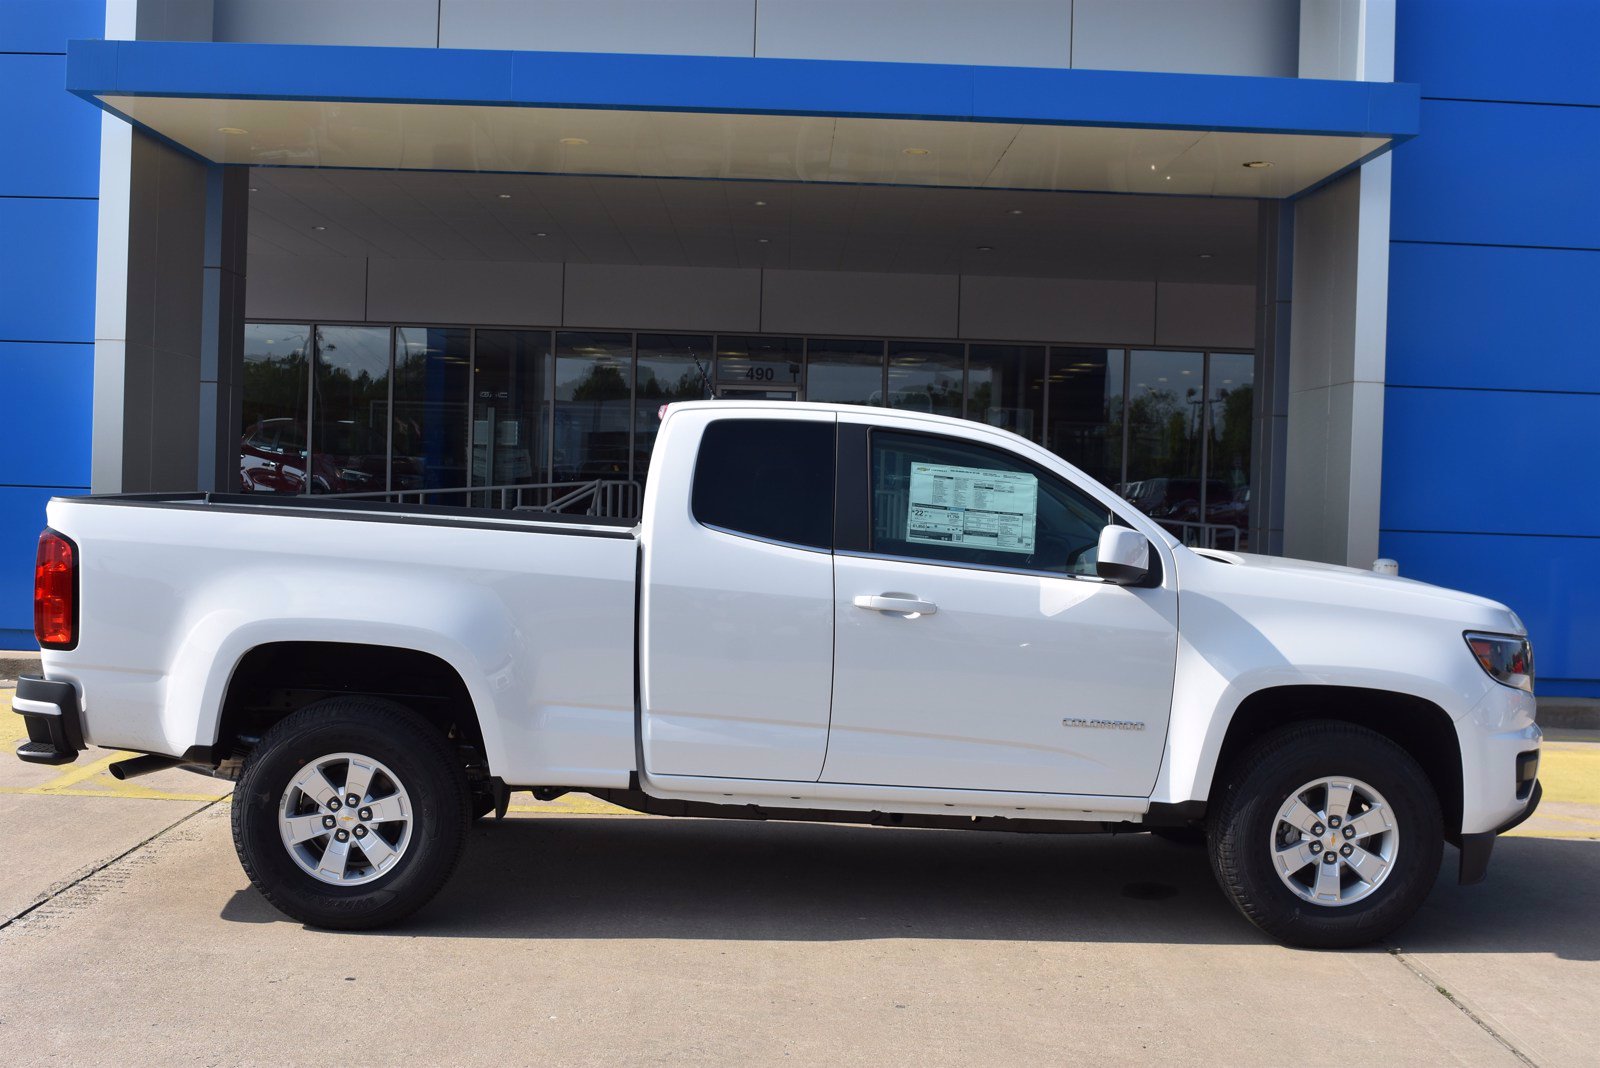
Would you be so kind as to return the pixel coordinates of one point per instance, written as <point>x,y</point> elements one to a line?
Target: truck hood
<point>1426,597</point>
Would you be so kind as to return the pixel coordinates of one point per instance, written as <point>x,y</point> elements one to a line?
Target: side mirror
<point>1124,556</point>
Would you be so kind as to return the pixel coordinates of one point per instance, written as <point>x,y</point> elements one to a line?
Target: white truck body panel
<point>759,680</point>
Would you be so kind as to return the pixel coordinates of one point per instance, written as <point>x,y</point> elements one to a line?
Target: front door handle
<point>896,602</point>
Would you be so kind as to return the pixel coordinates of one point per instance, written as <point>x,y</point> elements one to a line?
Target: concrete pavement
<point>571,936</point>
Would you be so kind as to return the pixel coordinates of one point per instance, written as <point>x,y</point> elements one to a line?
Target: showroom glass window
<point>926,376</point>
<point>1086,410</point>
<point>593,387</point>
<point>844,371</point>
<point>1005,388</point>
<point>350,409</point>
<point>671,367</point>
<point>753,364</point>
<point>432,366</point>
<point>510,409</point>
<point>277,375</point>
<point>1230,406</point>
<point>960,502</point>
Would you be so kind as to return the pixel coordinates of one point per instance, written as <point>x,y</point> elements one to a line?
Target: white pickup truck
<point>826,613</point>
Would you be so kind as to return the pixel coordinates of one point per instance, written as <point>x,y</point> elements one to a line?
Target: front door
<point>973,650</point>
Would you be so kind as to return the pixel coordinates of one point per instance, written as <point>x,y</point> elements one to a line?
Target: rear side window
<point>767,478</point>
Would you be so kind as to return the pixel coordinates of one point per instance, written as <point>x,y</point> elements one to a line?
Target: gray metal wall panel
<point>395,23</point>
<point>852,302</point>
<point>1008,33</point>
<point>480,293</point>
<point>671,27</point>
<point>1058,309</point>
<point>302,289</point>
<point>663,298</point>
<point>1196,315</point>
<point>1259,37</point>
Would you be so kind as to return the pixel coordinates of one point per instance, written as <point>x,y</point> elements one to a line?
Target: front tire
<point>350,814</point>
<point>1321,790</point>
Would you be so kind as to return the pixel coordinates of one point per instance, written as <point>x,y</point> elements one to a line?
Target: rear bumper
<point>55,723</point>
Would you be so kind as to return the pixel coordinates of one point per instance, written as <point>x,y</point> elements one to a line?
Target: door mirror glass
<point>1123,556</point>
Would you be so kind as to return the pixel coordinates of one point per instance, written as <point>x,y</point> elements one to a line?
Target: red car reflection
<point>349,459</point>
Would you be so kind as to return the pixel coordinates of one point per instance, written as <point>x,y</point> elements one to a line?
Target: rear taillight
<point>55,592</point>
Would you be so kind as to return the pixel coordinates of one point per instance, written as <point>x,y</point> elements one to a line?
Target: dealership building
<point>1303,277</point>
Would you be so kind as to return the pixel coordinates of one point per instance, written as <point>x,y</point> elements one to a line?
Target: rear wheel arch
<point>1420,727</point>
<point>274,680</point>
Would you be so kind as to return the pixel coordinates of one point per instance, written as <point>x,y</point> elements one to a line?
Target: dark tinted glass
<point>1086,410</point>
<point>1005,388</point>
<point>431,407</point>
<point>770,478</point>
<point>277,372</point>
<point>510,407</point>
<point>349,438</point>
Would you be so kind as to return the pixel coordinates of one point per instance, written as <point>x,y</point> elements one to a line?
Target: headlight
<point>1507,659</point>
<point>350,474</point>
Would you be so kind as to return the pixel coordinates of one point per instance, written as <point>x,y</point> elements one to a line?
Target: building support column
<point>1269,442</point>
<point>168,320</point>
<point>222,327</point>
<point>1334,458</point>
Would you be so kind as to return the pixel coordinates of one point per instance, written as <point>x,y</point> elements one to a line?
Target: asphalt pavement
<point>577,934</point>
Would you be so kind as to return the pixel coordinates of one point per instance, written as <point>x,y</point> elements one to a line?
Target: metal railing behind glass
<point>602,498</point>
<point>1205,535</point>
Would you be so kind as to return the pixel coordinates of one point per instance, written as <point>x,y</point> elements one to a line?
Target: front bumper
<point>1477,848</point>
<point>55,723</point>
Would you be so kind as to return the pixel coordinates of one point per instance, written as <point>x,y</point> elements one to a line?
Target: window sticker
<point>973,507</point>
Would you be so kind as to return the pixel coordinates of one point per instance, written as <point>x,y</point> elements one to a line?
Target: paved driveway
<point>577,935</point>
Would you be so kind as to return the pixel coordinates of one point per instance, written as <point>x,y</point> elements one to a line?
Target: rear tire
<point>350,866</point>
<point>1317,790</point>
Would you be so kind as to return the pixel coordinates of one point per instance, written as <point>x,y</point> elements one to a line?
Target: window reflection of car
<point>350,458</point>
<point>1178,500</point>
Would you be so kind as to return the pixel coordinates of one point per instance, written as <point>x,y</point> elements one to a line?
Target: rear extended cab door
<point>736,594</point>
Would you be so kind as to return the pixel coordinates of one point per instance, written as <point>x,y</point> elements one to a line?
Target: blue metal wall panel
<point>46,25</point>
<point>1494,317</point>
<point>1493,362</point>
<point>44,440</point>
<point>1485,461</point>
<point>55,135</point>
<point>47,272</point>
<point>1541,50</point>
<point>48,221</point>
<point>1502,174</point>
<point>1546,581</point>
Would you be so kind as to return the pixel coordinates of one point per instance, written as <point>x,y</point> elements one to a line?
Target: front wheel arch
<point>1420,727</point>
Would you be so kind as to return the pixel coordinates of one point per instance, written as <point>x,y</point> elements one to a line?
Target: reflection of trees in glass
<point>275,387</point>
<point>1231,432</point>
<point>603,381</point>
<point>689,386</point>
<point>1162,442</point>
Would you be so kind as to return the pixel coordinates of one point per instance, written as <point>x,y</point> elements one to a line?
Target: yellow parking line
<point>77,775</point>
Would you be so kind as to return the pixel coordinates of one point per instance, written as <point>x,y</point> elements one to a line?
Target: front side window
<point>958,502</point>
<point>767,478</point>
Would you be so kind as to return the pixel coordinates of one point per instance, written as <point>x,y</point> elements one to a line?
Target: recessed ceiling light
<point>574,140</point>
<point>253,189</point>
<point>231,130</point>
<point>1169,177</point>
<point>541,233</point>
<point>319,228</point>
<point>759,203</point>
<point>1152,166</point>
<point>985,248</point>
<point>761,240</point>
<point>1205,255</point>
<point>1259,164</point>
<point>915,151</point>
<point>505,196</point>
<point>1014,211</point>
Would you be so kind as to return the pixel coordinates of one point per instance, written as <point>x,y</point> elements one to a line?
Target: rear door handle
<point>895,602</point>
